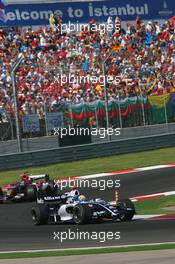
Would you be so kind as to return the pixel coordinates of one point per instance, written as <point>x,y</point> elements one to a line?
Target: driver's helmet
<point>25,177</point>
<point>82,197</point>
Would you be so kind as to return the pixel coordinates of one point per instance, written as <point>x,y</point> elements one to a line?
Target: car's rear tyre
<point>40,215</point>
<point>128,215</point>
<point>82,214</point>
<point>30,193</point>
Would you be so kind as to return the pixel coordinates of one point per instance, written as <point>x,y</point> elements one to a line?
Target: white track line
<point>86,248</point>
<point>150,196</point>
<point>108,174</point>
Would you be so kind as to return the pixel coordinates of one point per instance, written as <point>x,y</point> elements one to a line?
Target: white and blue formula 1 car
<point>75,208</point>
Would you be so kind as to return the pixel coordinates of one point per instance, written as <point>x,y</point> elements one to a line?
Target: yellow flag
<point>149,86</point>
<point>158,100</point>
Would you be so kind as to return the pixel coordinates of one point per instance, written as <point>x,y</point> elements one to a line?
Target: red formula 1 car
<point>27,188</point>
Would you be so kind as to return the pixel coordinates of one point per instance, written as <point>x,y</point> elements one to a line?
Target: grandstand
<point>143,60</point>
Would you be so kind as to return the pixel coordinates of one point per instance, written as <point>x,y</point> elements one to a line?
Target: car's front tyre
<point>82,214</point>
<point>128,210</point>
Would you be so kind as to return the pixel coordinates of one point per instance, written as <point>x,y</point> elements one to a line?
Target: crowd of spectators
<point>143,54</point>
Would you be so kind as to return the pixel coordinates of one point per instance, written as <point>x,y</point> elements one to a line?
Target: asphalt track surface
<point>17,231</point>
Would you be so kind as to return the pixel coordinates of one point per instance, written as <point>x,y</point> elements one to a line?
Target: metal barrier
<point>88,151</point>
<point>50,142</point>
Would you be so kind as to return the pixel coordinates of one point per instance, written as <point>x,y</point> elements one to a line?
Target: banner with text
<point>76,12</point>
<point>54,120</point>
<point>30,124</point>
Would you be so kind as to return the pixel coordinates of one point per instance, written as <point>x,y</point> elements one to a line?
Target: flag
<point>159,101</point>
<point>87,110</point>
<point>2,12</point>
<point>161,108</point>
<point>150,83</point>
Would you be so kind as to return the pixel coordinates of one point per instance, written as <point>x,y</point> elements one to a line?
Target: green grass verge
<point>105,164</point>
<point>85,251</point>
<point>156,205</point>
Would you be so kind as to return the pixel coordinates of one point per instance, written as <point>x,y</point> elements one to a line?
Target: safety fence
<point>123,113</point>
<point>87,151</point>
